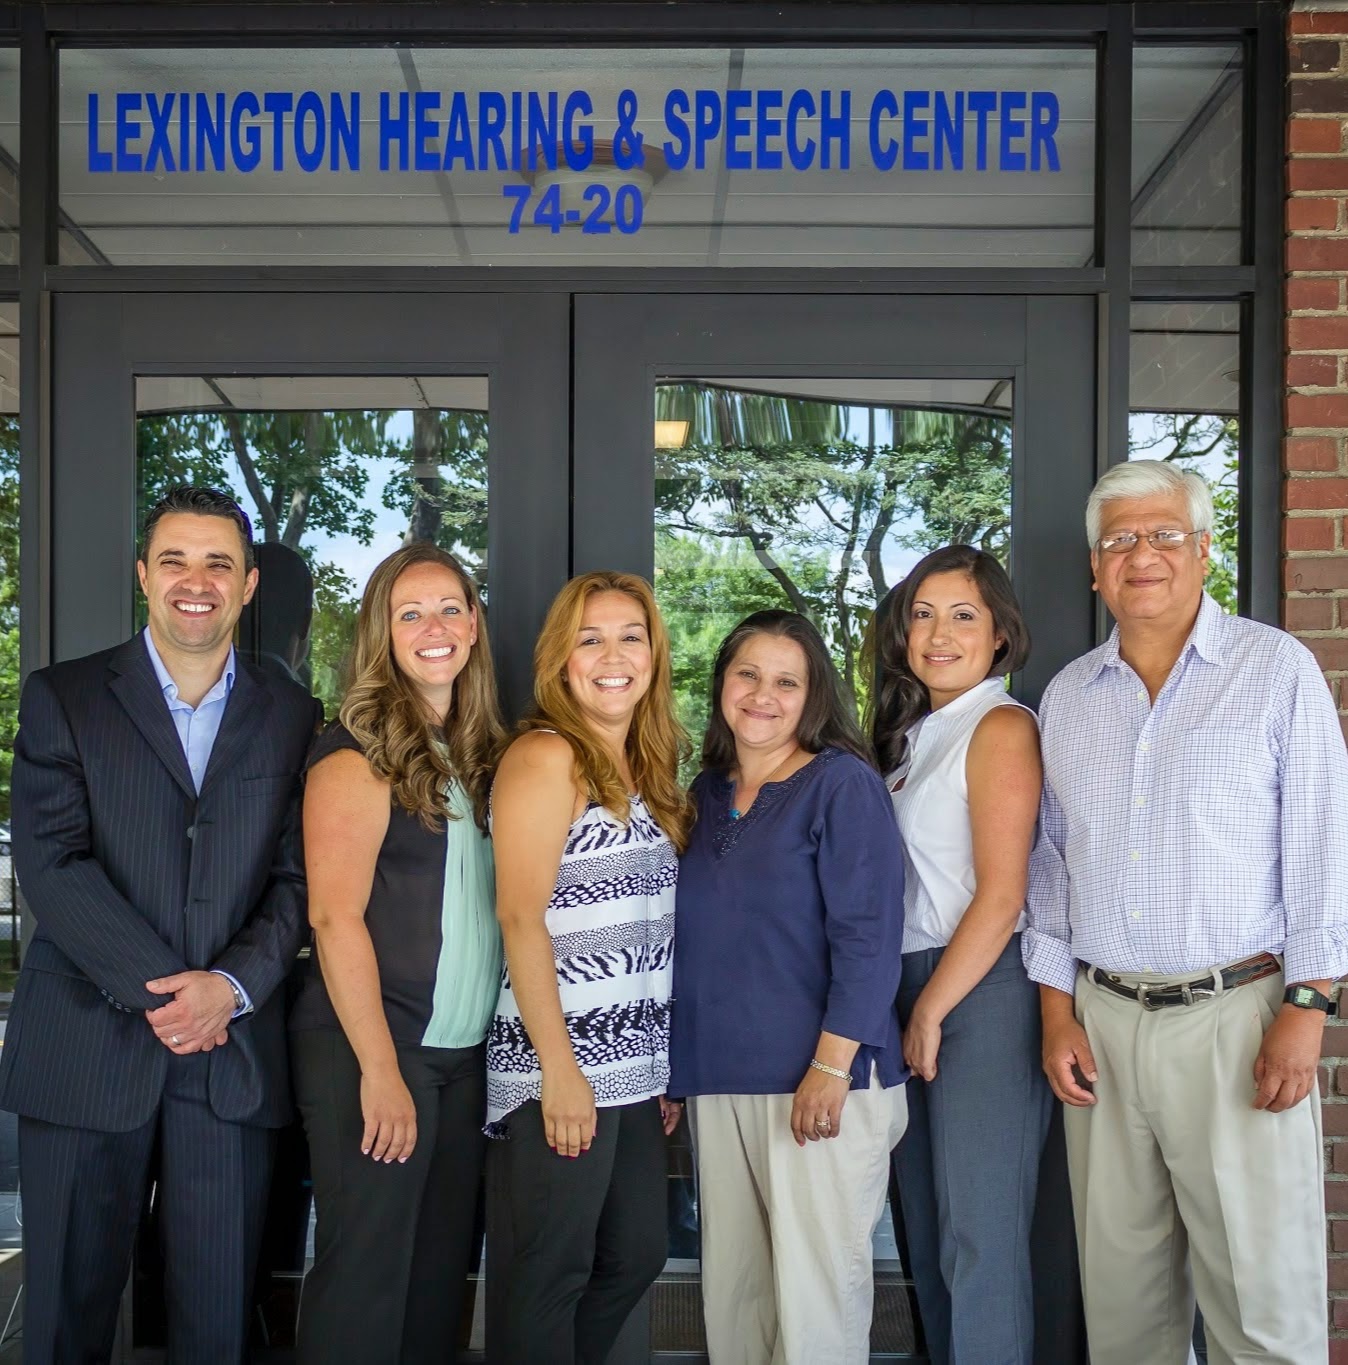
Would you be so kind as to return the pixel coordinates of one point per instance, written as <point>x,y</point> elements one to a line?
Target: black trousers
<point>393,1241</point>
<point>587,1235</point>
<point>83,1192</point>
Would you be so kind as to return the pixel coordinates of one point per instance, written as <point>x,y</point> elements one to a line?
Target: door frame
<point>104,341</point>
<point>625,344</point>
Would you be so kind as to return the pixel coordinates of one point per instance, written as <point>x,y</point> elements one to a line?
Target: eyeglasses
<point>1158,540</point>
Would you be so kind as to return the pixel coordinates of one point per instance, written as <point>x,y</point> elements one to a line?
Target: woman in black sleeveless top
<point>387,1035</point>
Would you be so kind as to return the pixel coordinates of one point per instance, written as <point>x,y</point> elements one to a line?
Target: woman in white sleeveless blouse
<point>962,760</point>
<point>588,820</point>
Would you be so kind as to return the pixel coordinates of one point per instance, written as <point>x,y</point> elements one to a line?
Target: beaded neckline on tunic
<point>734,822</point>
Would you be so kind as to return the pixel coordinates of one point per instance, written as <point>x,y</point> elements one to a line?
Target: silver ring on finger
<point>823,1125</point>
<point>174,1041</point>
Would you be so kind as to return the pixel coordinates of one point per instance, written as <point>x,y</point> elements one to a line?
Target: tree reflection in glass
<point>775,500</point>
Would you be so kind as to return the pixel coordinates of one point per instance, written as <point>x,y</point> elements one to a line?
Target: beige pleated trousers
<point>786,1230</point>
<point>1180,1185</point>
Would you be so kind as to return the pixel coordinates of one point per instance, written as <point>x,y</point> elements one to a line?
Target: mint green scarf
<point>468,974</point>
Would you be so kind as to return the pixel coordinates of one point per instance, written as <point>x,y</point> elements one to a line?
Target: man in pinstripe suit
<point>156,837</point>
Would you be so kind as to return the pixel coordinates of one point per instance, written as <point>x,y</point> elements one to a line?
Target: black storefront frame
<point>42,30</point>
<point>1256,284</point>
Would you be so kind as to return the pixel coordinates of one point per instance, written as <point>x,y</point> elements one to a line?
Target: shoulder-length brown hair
<point>898,699</point>
<point>655,740</point>
<point>385,712</point>
<point>826,719</point>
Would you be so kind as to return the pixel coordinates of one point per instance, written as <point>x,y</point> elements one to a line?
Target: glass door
<point>805,452</point>
<point>344,425</point>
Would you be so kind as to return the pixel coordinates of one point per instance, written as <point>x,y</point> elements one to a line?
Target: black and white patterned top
<point>611,918</point>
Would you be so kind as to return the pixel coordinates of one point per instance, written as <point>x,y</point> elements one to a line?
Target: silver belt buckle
<point>1192,994</point>
<point>1144,998</point>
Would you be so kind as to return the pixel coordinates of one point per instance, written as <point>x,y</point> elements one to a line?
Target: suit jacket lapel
<point>249,701</point>
<point>136,687</point>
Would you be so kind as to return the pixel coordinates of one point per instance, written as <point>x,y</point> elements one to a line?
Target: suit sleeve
<point>861,877</point>
<point>76,906</point>
<point>261,954</point>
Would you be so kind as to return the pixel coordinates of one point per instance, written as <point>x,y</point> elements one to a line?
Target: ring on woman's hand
<point>823,1125</point>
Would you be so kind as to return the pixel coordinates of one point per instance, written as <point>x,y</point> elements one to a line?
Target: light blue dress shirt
<point>197,727</point>
<point>1204,828</point>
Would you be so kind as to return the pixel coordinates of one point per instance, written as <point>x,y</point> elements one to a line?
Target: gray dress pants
<point>968,1166</point>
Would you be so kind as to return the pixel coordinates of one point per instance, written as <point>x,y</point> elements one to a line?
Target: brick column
<point>1315,454</point>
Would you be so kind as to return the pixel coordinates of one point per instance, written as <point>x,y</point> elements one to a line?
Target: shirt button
<point>1140,801</point>
<point>1136,914</point>
<point>1142,696</point>
<point>1135,855</point>
<point>1145,745</point>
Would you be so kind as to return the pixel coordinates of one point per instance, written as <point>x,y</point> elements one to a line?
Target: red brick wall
<point>1315,453</point>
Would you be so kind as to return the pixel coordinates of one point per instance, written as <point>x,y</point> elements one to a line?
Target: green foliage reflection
<point>816,506</point>
<point>311,482</point>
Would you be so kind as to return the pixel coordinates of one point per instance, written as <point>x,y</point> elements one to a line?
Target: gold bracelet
<point>830,1070</point>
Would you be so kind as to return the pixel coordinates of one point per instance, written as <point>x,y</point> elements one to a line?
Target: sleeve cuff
<point>1048,961</point>
<point>860,1026</point>
<point>1315,955</point>
<point>233,981</point>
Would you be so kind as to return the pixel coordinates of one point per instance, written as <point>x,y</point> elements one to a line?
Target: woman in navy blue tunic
<point>785,1037</point>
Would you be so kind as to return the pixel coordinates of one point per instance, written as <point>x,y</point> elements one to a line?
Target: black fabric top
<point>404,917</point>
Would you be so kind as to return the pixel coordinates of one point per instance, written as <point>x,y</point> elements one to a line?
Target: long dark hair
<point>898,699</point>
<point>826,721</point>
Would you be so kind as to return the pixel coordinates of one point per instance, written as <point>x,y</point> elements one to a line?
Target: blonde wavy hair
<point>385,713</point>
<point>655,742</point>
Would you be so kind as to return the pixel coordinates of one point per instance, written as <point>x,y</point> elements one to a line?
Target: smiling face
<point>432,630</point>
<point>610,665</point>
<point>952,637</point>
<point>764,692</point>
<point>1146,585</point>
<point>194,582</point>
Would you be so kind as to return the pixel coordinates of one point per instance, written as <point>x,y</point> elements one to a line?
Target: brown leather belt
<point>1153,997</point>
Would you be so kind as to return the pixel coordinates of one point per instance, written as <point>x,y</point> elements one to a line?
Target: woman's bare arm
<point>534,801</point>
<point>346,815</point>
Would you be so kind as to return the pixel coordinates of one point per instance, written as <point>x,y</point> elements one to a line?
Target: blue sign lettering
<point>532,132</point>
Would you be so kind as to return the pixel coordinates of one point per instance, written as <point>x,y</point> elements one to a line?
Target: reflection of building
<point>168,266</point>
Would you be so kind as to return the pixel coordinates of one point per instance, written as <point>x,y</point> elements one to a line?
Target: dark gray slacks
<point>83,1191</point>
<point>968,1166</point>
<point>585,1237</point>
<point>393,1241</point>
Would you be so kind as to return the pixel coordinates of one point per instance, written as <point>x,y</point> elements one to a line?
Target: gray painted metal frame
<point>624,345</point>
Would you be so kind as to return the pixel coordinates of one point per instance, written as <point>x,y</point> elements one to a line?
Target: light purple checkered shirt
<point>1198,831</point>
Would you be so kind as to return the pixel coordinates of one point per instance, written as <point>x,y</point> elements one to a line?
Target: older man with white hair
<point>1188,910</point>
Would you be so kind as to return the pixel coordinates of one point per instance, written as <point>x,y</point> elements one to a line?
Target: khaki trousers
<point>1179,1185</point>
<point>786,1230</point>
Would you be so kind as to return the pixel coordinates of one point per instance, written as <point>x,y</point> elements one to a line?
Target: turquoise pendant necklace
<point>735,812</point>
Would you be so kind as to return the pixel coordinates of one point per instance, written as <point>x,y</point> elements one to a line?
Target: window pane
<point>1187,119</point>
<point>9,156</point>
<point>1184,407</point>
<point>818,495</point>
<point>335,474</point>
<point>436,156</point>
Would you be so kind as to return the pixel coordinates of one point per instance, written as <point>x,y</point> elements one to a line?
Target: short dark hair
<point>201,502</point>
<point>900,700</point>
<point>826,721</point>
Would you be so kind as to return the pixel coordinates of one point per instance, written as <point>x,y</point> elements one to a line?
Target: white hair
<point>1148,479</point>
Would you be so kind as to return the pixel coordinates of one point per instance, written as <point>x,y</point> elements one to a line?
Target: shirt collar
<point>966,699</point>
<point>170,688</point>
<point>1205,639</point>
